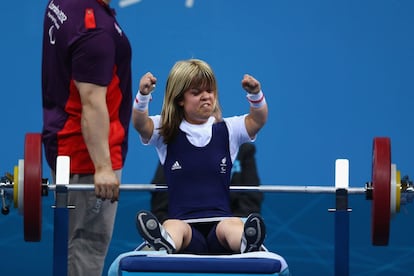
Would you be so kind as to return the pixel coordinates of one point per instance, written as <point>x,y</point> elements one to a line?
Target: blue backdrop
<point>336,74</point>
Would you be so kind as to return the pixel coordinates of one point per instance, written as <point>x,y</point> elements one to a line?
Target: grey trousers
<point>91,225</point>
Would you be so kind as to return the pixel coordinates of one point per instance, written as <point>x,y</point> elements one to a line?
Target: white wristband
<point>256,100</point>
<point>141,101</point>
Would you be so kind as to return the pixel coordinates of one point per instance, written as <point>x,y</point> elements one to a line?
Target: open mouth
<point>206,105</point>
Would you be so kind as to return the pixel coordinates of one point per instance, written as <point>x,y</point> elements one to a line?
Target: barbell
<point>386,189</point>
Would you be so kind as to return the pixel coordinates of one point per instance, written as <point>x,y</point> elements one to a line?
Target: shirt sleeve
<point>237,133</point>
<point>93,58</point>
<point>156,139</point>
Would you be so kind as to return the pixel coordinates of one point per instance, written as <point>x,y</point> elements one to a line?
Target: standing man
<point>86,89</point>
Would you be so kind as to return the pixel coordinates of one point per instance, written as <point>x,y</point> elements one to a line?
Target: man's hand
<point>106,184</point>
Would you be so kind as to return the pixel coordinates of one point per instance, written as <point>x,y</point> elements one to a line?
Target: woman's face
<point>198,104</point>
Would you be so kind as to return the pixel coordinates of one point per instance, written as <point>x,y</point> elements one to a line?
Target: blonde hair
<point>184,75</point>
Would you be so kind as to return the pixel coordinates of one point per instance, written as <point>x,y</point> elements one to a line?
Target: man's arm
<point>95,130</point>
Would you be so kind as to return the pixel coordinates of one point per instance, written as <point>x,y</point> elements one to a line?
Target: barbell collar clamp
<point>368,189</point>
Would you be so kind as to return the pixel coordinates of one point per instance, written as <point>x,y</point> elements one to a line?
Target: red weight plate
<point>32,207</point>
<point>381,182</point>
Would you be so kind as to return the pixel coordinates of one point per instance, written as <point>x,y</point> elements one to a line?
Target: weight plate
<point>381,182</point>
<point>32,215</point>
<point>15,186</point>
<point>393,190</point>
<point>20,189</point>
<point>398,197</point>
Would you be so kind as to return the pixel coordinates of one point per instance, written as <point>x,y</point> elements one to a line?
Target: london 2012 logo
<point>127,3</point>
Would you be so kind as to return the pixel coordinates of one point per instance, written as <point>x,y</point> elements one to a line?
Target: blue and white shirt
<point>197,166</point>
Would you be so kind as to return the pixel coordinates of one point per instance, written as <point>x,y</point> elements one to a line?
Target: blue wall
<point>335,73</point>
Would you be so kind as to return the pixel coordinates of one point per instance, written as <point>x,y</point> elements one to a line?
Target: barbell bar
<point>386,189</point>
<point>234,188</point>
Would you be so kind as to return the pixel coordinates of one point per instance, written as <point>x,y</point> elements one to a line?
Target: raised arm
<point>140,119</point>
<point>257,116</point>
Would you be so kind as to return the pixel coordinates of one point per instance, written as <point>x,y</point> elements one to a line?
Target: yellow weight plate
<point>15,186</point>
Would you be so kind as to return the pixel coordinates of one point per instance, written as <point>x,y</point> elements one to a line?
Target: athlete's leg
<point>229,233</point>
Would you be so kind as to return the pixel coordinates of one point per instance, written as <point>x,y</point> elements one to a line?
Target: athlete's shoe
<point>153,232</point>
<point>254,233</point>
